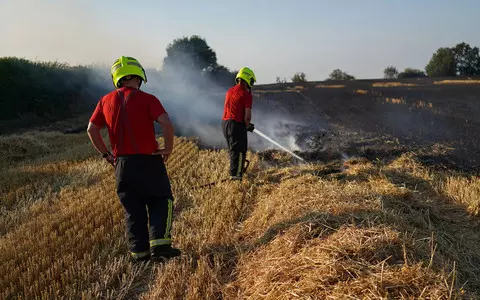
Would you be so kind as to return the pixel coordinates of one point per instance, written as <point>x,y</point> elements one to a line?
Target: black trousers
<point>236,135</point>
<point>145,192</point>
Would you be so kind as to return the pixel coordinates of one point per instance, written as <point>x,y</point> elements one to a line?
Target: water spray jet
<point>277,144</point>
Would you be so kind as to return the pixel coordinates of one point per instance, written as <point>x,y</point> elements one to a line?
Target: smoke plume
<point>195,104</point>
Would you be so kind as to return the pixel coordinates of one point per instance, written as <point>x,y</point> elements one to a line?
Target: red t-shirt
<point>142,109</point>
<point>236,100</point>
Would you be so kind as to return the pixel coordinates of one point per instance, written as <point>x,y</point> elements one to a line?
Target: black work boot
<point>165,252</point>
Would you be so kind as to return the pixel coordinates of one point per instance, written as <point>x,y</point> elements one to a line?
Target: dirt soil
<point>380,120</point>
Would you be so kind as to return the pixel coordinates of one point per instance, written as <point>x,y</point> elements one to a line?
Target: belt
<point>123,157</point>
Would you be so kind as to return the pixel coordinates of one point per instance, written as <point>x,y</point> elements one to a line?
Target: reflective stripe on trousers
<point>160,242</point>
<point>240,164</point>
<point>140,254</point>
<point>166,237</point>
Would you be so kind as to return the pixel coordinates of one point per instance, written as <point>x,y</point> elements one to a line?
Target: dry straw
<point>363,230</point>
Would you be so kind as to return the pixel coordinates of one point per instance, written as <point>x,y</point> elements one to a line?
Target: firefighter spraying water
<point>236,122</point>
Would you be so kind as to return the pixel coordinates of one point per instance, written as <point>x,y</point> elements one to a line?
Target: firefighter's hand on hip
<point>110,159</point>
<point>165,153</point>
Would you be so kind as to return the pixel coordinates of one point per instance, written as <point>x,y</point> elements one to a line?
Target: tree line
<point>460,60</point>
<point>49,90</point>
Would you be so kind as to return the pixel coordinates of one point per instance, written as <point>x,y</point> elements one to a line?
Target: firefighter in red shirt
<point>141,178</point>
<point>237,114</point>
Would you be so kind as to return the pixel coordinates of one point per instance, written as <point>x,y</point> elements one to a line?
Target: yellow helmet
<point>125,66</point>
<point>247,75</point>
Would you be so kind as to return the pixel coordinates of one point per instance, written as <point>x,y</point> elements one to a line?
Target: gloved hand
<point>250,127</point>
<point>109,158</point>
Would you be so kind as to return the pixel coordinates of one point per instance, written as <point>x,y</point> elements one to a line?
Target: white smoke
<point>195,104</point>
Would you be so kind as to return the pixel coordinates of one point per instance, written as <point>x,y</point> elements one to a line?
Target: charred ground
<point>379,120</point>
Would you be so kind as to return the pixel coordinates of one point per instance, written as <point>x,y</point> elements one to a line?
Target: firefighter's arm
<point>97,141</point>
<point>168,134</point>
<point>248,116</point>
<point>96,138</point>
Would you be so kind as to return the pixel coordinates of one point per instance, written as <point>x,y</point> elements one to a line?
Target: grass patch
<point>392,84</point>
<point>469,81</point>
<point>329,86</point>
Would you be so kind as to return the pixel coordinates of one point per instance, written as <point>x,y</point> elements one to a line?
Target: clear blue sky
<point>275,38</point>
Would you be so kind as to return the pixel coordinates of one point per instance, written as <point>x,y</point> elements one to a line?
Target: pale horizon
<point>275,38</point>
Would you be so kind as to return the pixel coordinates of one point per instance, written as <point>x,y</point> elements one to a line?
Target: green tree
<point>191,53</point>
<point>467,59</point>
<point>299,77</point>
<point>191,59</point>
<point>442,63</point>
<point>390,72</point>
<point>411,73</point>
<point>338,74</point>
